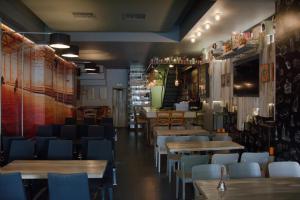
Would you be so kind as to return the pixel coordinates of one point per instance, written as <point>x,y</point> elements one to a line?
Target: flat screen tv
<point>246,78</point>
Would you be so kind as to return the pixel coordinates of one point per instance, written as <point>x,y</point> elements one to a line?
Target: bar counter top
<point>151,112</point>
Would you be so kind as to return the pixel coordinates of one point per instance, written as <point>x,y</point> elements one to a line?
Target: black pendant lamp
<point>72,52</point>
<point>59,41</point>
<point>91,68</point>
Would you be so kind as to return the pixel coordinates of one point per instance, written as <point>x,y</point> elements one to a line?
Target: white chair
<point>284,169</point>
<point>244,170</point>
<point>160,149</point>
<point>206,172</point>
<point>225,159</point>
<point>185,173</point>
<point>262,158</point>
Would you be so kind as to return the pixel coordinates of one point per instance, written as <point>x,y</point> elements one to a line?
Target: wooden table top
<point>39,169</point>
<point>258,188</point>
<point>188,146</point>
<point>182,132</point>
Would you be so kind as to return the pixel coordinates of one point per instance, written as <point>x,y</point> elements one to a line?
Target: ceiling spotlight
<point>193,40</point>
<point>59,41</point>
<point>72,52</point>
<point>171,66</point>
<point>217,16</point>
<point>199,34</point>
<point>207,26</point>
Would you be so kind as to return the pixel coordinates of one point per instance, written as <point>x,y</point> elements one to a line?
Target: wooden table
<point>39,169</point>
<point>249,189</point>
<point>188,146</point>
<point>182,132</point>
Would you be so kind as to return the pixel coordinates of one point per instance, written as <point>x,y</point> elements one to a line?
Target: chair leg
<point>170,165</point>
<point>159,162</point>
<point>155,157</point>
<point>177,187</point>
<point>114,176</point>
<point>183,189</point>
<point>110,192</point>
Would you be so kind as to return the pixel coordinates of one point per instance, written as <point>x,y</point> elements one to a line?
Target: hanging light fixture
<point>176,80</point>
<point>171,66</point>
<point>72,52</point>
<point>91,68</point>
<point>59,41</point>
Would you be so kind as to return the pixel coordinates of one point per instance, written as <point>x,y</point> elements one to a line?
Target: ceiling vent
<point>134,16</point>
<point>83,15</point>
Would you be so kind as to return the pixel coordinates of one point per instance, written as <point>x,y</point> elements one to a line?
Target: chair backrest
<point>244,170</point>
<point>95,131</point>
<point>21,150</point>
<point>222,138</point>
<point>68,132</point>
<point>284,169</point>
<point>6,142</point>
<point>100,150</point>
<point>89,121</point>
<point>161,141</point>
<point>45,131</point>
<point>84,144</point>
<point>189,161</point>
<point>11,187</point>
<point>163,118</point>
<point>41,146</point>
<point>68,186</point>
<point>206,171</point>
<point>177,118</point>
<point>225,159</point>
<point>60,150</point>
<point>109,131</point>
<point>107,120</point>
<point>259,157</point>
<point>70,121</point>
<point>199,138</point>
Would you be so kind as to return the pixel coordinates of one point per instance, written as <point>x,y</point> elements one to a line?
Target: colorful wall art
<point>35,75</point>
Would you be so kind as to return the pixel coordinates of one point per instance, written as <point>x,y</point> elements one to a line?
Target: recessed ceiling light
<point>217,16</point>
<point>193,40</point>
<point>207,26</point>
<point>199,34</point>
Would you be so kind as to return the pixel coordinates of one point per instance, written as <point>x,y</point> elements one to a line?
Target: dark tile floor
<point>137,176</point>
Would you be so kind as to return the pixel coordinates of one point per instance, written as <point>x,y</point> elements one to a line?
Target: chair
<point>11,187</point>
<point>21,150</point>
<point>70,121</point>
<point>225,159</point>
<point>177,119</point>
<point>160,149</point>
<point>68,132</point>
<point>172,159</point>
<point>6,142</point>
<point>102,150</point>
<point>139,119</point>
<point>163,119</point>
<point>41,146</point>
<point>222,138</point>
<point>60,150</point>
<point>206,172</point>
<point>84,144</point>
<point>185,173</point>
<point>45,131</point>
<point>244,170</point>
<point>95,131</point>
<point>284,169</point>
<point>107,120</point>
<point>68,186</point>
<point>262,158</point>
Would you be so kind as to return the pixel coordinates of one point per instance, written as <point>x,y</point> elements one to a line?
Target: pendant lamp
<point>59,41</point>
<point>72,52</point>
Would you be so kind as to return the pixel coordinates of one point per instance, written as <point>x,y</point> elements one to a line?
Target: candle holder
<point>221,185</point>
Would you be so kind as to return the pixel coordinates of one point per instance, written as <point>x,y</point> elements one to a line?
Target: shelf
<point>244,49</point>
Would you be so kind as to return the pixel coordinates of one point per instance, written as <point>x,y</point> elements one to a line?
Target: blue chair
<point>21,150</point>
<point>68,186</point>
<point>41,146</point>
<point>6,142</point>
<point>70,121</point>
<point>102,150</point>
<point>107,120</point>
<point>84,144</point>
<point>11,187</point>
<point>45,131</point>
<point>68,132</point>
<point>95,131</point>
<point>60,150</point>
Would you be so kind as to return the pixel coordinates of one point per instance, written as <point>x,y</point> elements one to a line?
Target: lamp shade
<point>59,41</point>
<point>72,52</point>
<point>91,68</point>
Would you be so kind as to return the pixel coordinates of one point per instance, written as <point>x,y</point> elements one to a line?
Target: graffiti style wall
<point>45,80</point>
<point>288,79</point>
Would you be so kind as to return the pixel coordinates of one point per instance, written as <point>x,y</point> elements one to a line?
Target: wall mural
<point>288,79</point>
<point>48,85</point>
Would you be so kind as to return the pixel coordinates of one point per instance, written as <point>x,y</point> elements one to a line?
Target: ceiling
<point>109,15</point>
<point>117,35</point>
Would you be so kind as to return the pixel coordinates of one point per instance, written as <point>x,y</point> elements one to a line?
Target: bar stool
<point>177,120</point>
